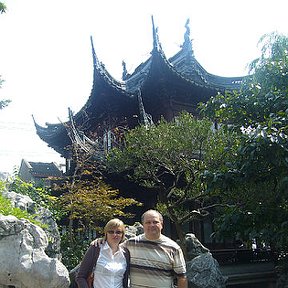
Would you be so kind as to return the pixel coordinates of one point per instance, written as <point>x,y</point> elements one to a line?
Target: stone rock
<point>23,260</point>
<point>134,230</point>
<point>44,216</point>
<point>194,246</point>
<point>203,271</point>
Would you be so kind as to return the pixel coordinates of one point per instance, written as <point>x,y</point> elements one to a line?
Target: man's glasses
<point>118,232</point>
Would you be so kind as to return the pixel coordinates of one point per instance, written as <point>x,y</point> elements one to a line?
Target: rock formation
<point>23,260</point>
<point>203,271</point>
<point>43,215</point>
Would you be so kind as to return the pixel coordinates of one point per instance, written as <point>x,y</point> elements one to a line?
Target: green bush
<point>73,250</point>
<point>7,209</point>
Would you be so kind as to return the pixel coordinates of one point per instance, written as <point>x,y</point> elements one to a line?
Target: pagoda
<point>158,87</point>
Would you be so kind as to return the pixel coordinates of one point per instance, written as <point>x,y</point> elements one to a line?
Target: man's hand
<point>182,282</point>
<point>97,242</point>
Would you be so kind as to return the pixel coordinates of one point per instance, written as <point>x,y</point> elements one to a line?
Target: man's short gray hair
<point>151,211</point>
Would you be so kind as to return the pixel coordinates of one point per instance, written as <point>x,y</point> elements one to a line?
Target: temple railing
<point>241,256</point>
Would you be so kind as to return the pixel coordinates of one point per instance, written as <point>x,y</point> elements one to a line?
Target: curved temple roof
<point>166,86</point>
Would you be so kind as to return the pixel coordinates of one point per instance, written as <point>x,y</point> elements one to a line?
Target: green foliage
<point>256,186</point>
<point>73,251</point>
<point>263,97</point>
<point>90,201</point>
<point>3,8</point>
<point>2,185</point>
<point>3,103</point>
<point>172,158</point>
<point>180,149</point>
<point>6,208</point>
<point>164,145</point>
<point>42,196</point>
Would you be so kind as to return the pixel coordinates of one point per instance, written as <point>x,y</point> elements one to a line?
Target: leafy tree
<point>3,103</point>
<point>87,203</point>
<point>91,202</point>
<point>257,184</point>
<point>263,97</point>
<point>85,195</point>
<point>2,7</point>
<point>171,158</point>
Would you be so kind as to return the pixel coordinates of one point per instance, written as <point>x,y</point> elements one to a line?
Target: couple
<point>151,259</point>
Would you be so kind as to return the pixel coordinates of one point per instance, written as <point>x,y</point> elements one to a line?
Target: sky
<point>46,58</point>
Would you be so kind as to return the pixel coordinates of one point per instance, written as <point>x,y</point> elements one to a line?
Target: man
<point>155,258</point>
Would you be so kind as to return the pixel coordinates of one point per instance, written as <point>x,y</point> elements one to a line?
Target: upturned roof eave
<point>210,80</point>
<point>102,78</point>
<point>51,135</point>
<point>50,129</point>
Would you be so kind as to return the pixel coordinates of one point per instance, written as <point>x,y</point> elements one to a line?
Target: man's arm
<point>182,282</point>
<point>97,242</point>
<point>180,269</point>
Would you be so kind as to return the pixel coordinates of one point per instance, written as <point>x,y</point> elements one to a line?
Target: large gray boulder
<point>44,216</point>
<point>23,260</point>
<point>203,271</point>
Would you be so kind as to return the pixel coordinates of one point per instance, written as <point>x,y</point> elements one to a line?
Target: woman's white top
<point>110,268</point>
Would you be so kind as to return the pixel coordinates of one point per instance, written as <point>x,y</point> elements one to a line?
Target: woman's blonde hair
<point>115,223</point>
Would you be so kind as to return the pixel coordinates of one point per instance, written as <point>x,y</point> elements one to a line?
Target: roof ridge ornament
<point>94,56</point>
<point>156,44</point>
<point>125,72</point>
<point>187,41</point>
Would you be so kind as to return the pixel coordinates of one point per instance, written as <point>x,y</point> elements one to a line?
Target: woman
<point>109,262</point>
